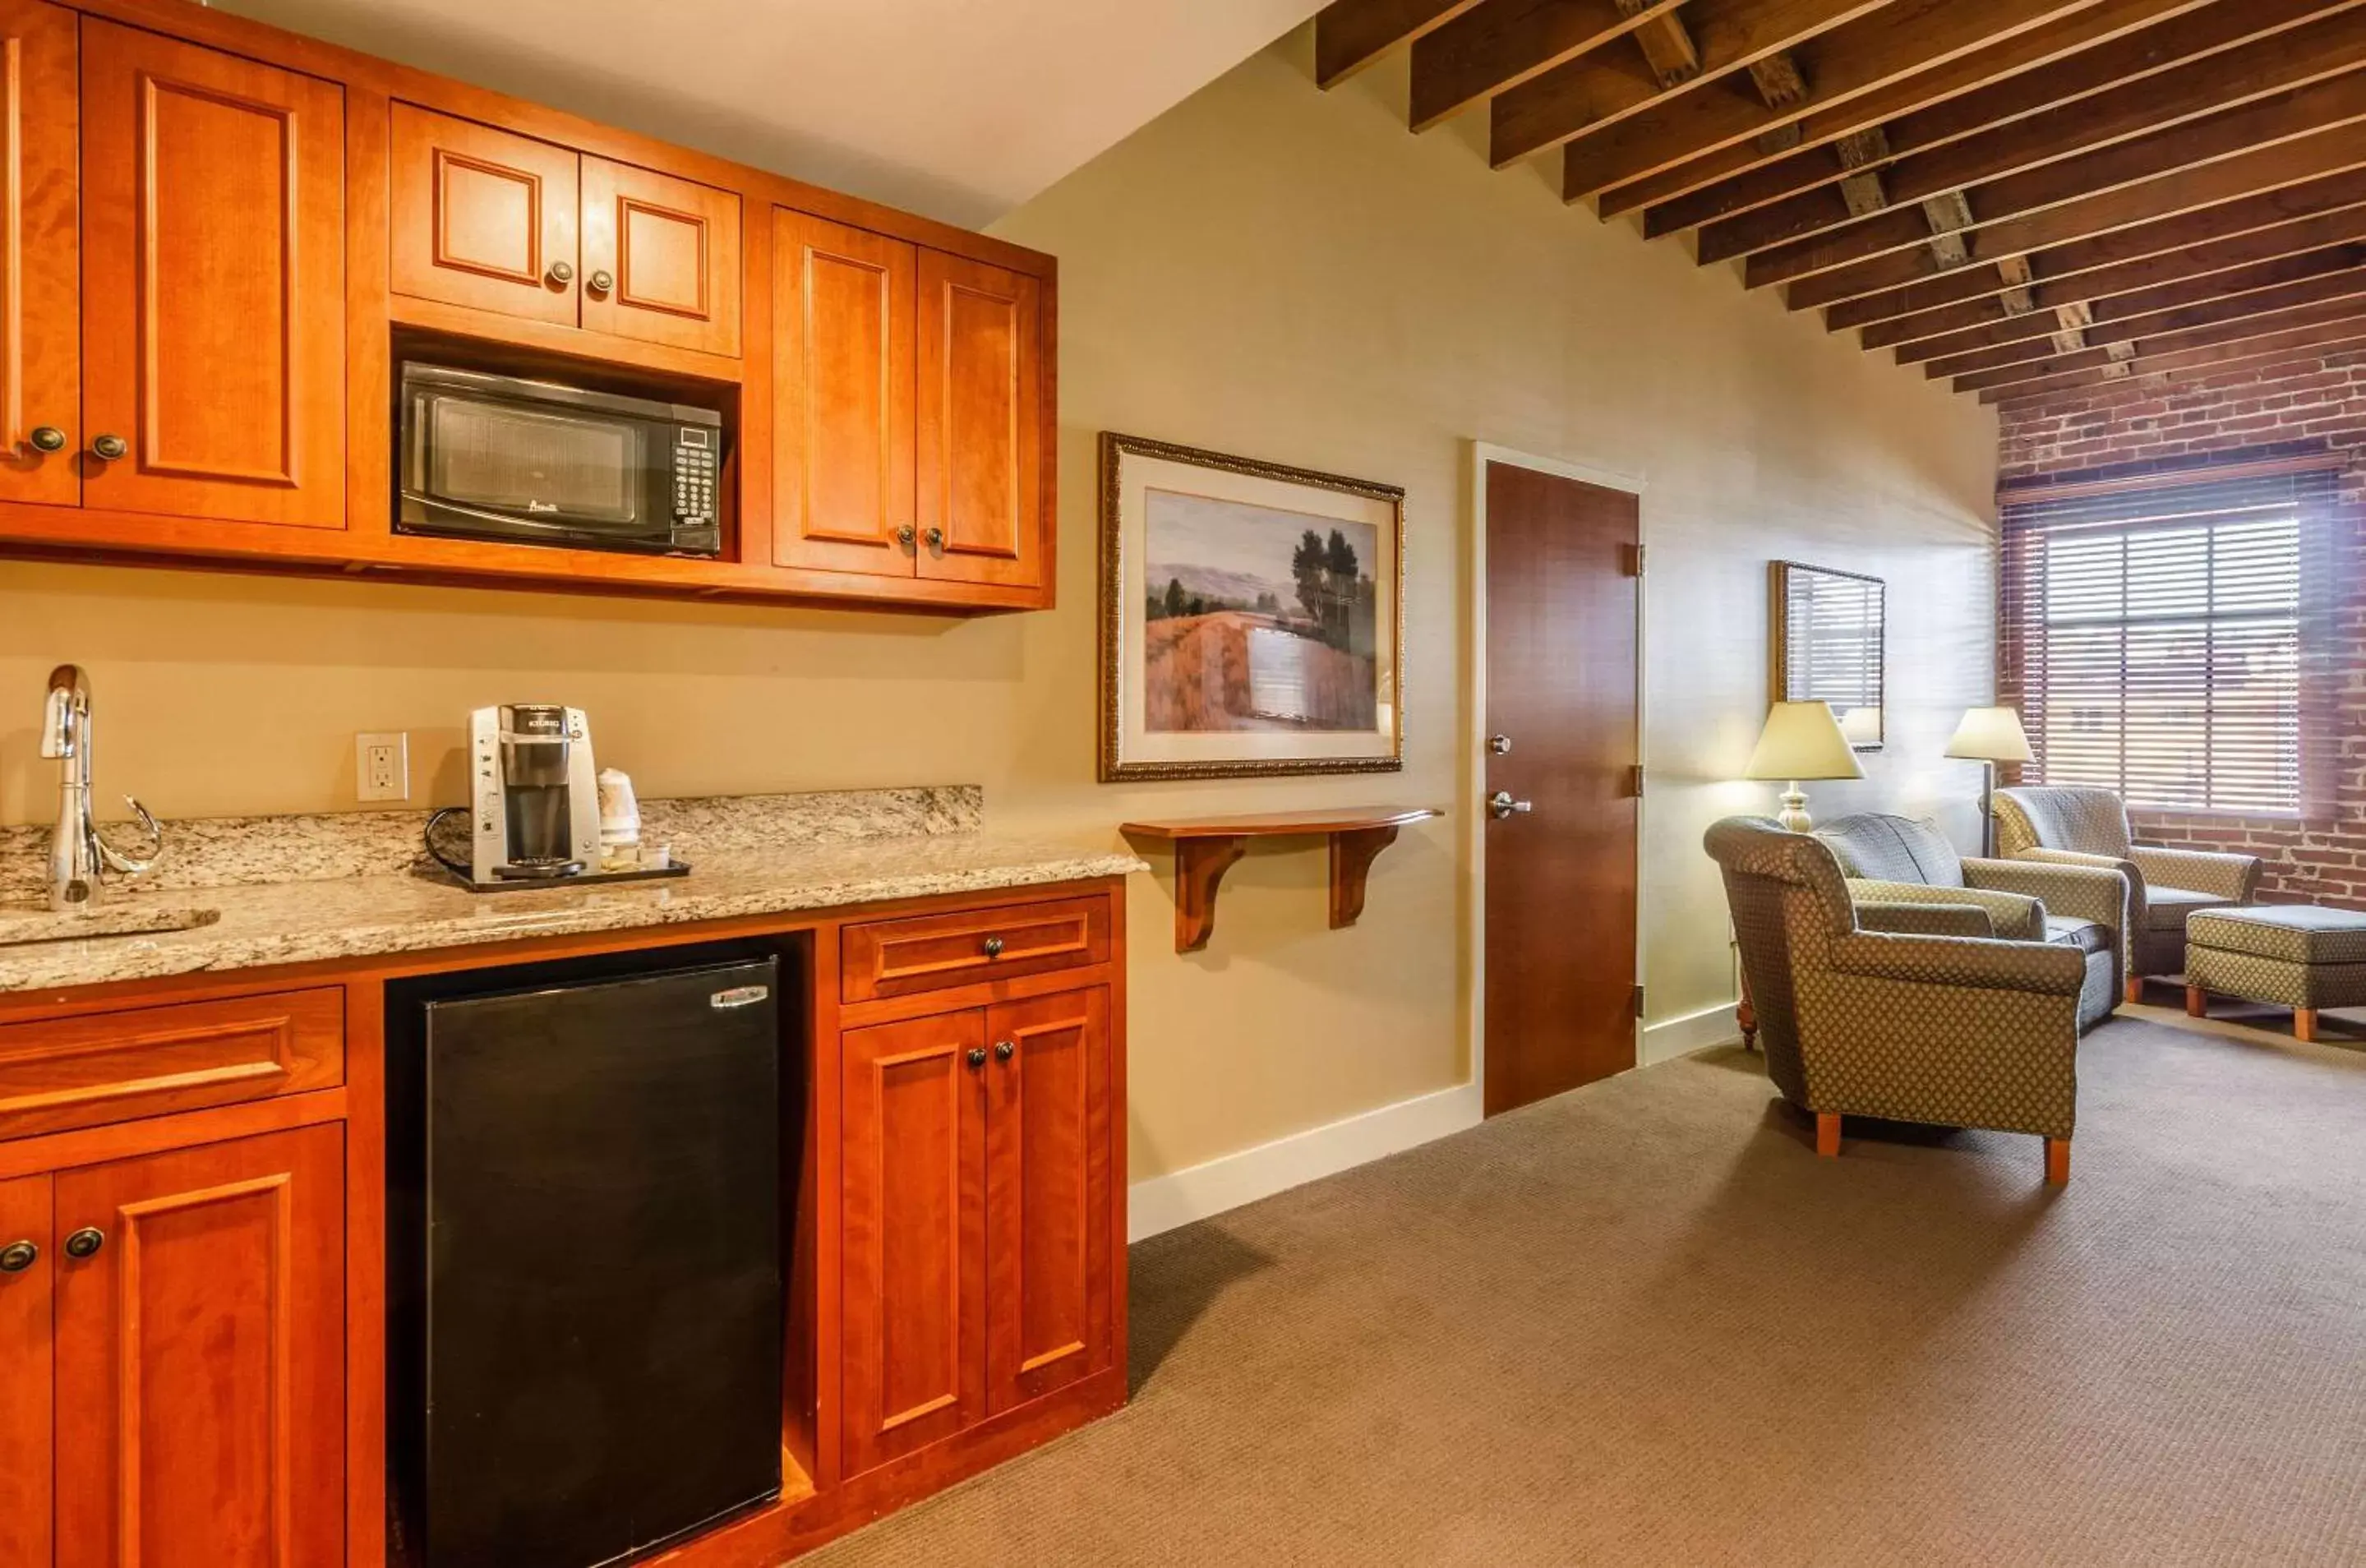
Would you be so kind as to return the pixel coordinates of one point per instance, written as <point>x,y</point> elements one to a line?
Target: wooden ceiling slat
<point>1742,174</point>
<point>2022,360</point>
<point>2229,354</point>
<point>1596,91</point>
<point>2207,335</point>
<point>1352,34</point>
<point>2256,222</point>
<point>2030,331</point>
<point>2289,163</point>
<point>1499,44</point>
<point>2196,87</point>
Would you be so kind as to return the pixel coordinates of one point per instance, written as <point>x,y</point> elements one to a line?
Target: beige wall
<point>1267,270</point>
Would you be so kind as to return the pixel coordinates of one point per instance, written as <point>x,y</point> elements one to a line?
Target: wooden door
<point>482,218</point>
<point>40,255</point>
<point>1563,613</point>
<point>981,423</point>
<point>1047,1194</point>
<point>200,1357</point>
<point>660,258</point>
<point>26,1288</point>
<point>913,1233</point>
<point>843,301</point>
<point>213,283</point>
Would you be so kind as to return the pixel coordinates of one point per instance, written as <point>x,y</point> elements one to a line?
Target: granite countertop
<point>297,921</point>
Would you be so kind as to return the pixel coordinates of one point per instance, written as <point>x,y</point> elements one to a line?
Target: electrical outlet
<point>382,766</point>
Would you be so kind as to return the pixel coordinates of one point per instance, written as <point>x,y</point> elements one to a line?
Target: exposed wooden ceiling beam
<point>1352,34</point>
<point>1498,44</point>
<point>2020,361</point>
<point>2289,163</point>
<point>2193,88</point>
<point>2253,342</point>
<point>1599,90</point>
<point>1845,58</point>
<point>2165,244</point>
<point>1742,174</point>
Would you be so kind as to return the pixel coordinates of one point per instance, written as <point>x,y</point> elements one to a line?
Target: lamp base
<point>1794,816</point>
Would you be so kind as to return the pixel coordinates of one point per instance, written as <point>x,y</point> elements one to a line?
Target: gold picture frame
<point>1831,645</point>
<point>1262,655</point>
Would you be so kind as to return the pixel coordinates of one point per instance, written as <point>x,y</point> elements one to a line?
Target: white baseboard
<point>1673,1037</point>
<point>1163,1202</point>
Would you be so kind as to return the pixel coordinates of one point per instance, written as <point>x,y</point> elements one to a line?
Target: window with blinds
<point>2161,639</point>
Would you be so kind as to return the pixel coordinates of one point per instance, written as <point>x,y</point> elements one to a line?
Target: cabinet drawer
<point>113,1066</point>
<point>932,952</point>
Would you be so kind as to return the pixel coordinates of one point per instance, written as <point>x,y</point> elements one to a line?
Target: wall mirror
<point>1828,646</point>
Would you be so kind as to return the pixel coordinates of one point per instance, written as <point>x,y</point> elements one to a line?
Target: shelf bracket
<point>1207,848</point>
<point>1352,854</point>
<point>1200,866</point>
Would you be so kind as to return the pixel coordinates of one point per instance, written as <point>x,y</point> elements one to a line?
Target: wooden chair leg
<point>2058,1162</point>
<point>2305,1025</point>
<point>1827,1133</point>
<point>2136,988</point>
<point>2197,1002</point>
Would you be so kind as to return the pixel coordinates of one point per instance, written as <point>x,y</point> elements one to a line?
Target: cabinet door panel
<point>1047,1194</point>
<point>981,423</point>
<point>213,282</point>
<point>843,387</point>
<point>200,1357</point>
<point>40,255</point>
<point>671,252</point>
<point>25,1314</point>
<point>913,1220</point>
<point>481,216</point>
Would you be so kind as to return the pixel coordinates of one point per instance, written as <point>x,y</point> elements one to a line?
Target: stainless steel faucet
<point>77,854</point>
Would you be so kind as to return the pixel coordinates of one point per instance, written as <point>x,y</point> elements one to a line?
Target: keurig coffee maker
<point>535,809</point>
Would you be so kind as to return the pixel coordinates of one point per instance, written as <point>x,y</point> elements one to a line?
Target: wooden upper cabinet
<point>660,258</point>
<point>40,256</point>
<point>981,423</point>
<point>482,218</point>
<point>26,1314</point>
<point>842,385</point>
<point>213,268</point>
<point>199,1357</point>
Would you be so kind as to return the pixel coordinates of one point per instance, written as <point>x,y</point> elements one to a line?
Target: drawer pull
<point>17,1257</point>
<point>992,946</point>
<point>86,1242</point>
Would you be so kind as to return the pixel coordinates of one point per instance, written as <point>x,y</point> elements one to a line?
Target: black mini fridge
<point>585,1328</point>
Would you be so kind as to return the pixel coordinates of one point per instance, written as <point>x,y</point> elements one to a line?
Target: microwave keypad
<point>694,481</point>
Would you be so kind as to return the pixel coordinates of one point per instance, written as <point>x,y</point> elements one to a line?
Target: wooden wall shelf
<point>1206,847</point>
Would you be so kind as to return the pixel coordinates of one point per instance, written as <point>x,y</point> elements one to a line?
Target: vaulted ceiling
<point>2020,196</point>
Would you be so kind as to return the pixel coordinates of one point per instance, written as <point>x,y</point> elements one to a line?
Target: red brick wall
<point>2311,402</point>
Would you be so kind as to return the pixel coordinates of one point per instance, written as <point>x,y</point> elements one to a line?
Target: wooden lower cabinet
<point>975,1212</point>
<point>199,1357</point>
<point>26,1314</point>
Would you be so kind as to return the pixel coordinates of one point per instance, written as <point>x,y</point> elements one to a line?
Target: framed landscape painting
<point>1252,617</point>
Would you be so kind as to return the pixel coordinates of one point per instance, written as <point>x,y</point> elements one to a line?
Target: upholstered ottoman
<point>2293,955</point>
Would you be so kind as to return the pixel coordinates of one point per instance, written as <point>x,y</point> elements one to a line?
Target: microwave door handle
<point>506,519</point>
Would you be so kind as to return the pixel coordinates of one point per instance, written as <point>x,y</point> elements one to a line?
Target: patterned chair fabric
<point>1960,1032</point>
<point>2070,825</point>
<point>1894,860</point>
<point>2291,955</point>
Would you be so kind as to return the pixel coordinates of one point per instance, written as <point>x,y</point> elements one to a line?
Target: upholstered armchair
<point>1890,861</point>
<point>1957,1031</point>
<point>2070,825</point>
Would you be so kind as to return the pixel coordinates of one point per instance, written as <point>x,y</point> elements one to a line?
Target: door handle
<point>1501,805</point>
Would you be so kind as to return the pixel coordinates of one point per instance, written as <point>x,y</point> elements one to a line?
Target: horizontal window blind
<point>2161,639</point>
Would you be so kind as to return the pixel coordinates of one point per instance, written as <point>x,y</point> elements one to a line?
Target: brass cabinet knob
<point>936,538</point>
<point>992,947</point>
<point>562,273</point>
<point>1004,1049</point>
<point>601,281</point>
<point>86,1242</point>
<point>107,448</point>
<point>906,535</point>
<point>49,438</point>
<point>976,1059</point>
<point>17,1257</point>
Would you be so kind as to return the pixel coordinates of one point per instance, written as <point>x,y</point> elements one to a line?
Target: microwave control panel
<point>694,457</point>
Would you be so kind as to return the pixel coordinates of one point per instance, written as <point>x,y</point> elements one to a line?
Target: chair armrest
<point>1920,918</point>
<point>2010,915</point>
<point>2077,892</point>
<point>2127,868</point>
<point>2201,871</point>
<point>1965,962</point>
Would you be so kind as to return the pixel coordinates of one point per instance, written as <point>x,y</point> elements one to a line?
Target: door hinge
<point>1639,1002</point>
<point>1635,781</point>
<point>1634,554</point>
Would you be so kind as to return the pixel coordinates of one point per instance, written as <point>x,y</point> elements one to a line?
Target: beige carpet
<point>1644,1324</point>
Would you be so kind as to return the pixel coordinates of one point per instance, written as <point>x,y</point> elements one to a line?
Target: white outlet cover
<point>382,765</point>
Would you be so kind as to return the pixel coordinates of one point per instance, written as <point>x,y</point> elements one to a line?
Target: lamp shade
<point>1990,734</point>
<point>1802,740</point>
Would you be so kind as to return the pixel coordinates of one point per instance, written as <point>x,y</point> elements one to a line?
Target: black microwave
<point>501,458</point>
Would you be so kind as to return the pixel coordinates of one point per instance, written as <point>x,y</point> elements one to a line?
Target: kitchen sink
<point>21,924</point>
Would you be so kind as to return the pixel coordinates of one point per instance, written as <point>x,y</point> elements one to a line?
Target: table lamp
<point>1801,740</point>
<point>1990,736</point>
